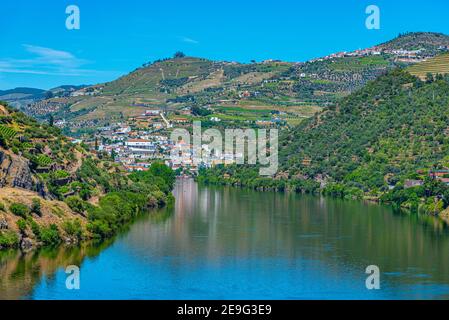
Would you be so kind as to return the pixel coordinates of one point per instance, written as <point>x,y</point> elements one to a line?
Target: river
<point>226,243</point>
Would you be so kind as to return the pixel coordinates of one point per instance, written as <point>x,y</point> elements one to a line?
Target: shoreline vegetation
<point>94,222</point>
<point>401,199</point>
<point>54,191</point>
<point>387,142</point>
<point>116,209</point>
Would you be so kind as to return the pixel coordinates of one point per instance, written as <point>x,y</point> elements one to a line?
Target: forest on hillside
<point>369,145</point>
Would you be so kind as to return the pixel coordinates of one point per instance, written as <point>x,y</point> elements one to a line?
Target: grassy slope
<point>437,65</point>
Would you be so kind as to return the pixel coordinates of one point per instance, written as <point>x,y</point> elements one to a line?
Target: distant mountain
<point>28,91</point>
<point>22,97</point>
<point>173,84</point>
<point>300,89</point>
<point>66,89</point>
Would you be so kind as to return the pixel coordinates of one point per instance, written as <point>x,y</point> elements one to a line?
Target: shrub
<point>36,207</point>
<point>76,204</point>
<point>35,228</point>
<point>22,225</point>
<point>19,209</point>
<point>8,239</point>
<point>73,228</point>
<point>50,235</point>
<point>99,229</point>
<point>2,207</point>
<point>85,193</point>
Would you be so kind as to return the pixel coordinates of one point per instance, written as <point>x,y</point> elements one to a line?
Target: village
<point>400,55</point>
<point>141,140</point>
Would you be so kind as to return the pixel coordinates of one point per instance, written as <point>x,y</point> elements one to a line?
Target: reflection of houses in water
<point>185,203</point>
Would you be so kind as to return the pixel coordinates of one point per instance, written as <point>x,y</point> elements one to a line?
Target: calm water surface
<point>224,243</point>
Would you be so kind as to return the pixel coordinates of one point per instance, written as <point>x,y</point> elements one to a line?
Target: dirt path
<point>73,168</point>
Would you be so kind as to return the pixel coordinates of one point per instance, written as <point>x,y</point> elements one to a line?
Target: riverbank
<point>431,197</point>
<point>29,222</point>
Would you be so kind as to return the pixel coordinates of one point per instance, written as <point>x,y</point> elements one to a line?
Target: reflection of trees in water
<point>220,224</point>
<point>161,215</point>
<point>20,272</point>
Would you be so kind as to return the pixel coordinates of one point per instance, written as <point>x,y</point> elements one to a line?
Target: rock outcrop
<point>3,224</point>
<point>15,172</point>
<point>26,244</point>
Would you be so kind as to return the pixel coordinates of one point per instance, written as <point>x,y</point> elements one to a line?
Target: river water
<point>225,243</point>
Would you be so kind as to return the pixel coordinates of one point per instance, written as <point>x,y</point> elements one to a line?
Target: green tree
<point>19,209</point>
<point>36,207</point>
<point>179,55</point>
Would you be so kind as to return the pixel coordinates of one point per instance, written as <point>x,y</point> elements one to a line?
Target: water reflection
<point>221,243</point>
<point>20,272</point>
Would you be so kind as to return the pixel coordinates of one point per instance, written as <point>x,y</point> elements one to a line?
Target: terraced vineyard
<point>44,160</point>
<point>7,132</point>
<point>439,64</point>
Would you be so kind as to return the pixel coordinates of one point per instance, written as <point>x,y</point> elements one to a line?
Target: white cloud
<point>48,52</point>
<point>47,61</point>
<point>189,40</point>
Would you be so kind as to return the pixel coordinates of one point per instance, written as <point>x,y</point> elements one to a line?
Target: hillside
<point>233,91</point>
<point>393,130</point>
<point>22,97</point>
<point>54,191</point>
<point>429,42</point>
<point>27,91</point>
<point>396,122</point>
<point>436,65</point>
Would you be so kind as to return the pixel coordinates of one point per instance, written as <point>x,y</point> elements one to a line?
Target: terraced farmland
<point>7,132</point>
<point>439,64</point>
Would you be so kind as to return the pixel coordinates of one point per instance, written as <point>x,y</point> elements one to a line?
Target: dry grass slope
<point>439,64</point>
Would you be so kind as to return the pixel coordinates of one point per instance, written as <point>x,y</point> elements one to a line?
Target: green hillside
<point>292,89</point>
<point>396,122</point>
<point>172,84</point>
<point>153,79</point>
<point>54,191</point>
<point>367,146</point>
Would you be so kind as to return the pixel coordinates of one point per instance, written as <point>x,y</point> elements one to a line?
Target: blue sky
<point>115,37</point>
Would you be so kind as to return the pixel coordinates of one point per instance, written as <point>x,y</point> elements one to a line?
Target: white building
<point>124,130</point>
<point>139,144</point>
